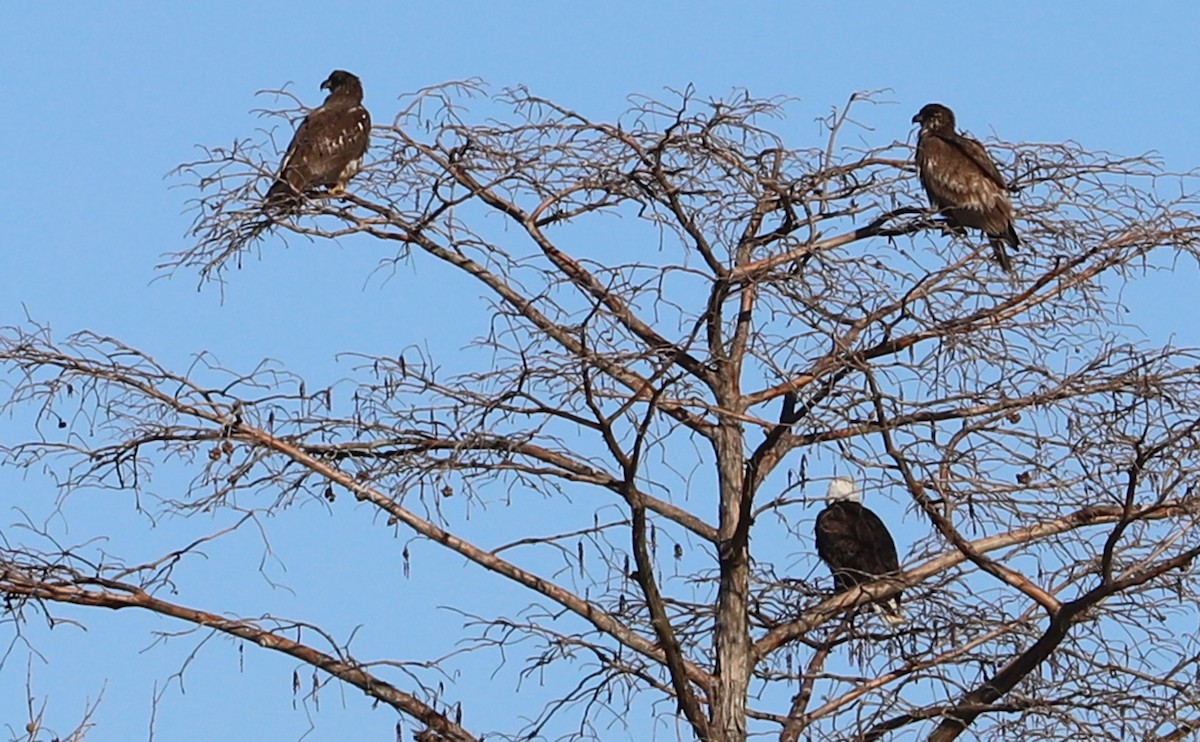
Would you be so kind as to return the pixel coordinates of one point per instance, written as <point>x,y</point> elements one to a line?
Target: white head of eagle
<point>843,489</point>
<point>856,545</point>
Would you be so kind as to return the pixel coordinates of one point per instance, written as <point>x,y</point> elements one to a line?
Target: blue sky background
<point>102,101</point>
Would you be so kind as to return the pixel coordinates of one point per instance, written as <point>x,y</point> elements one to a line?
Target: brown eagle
<point>327,150</point>
<point>962,182</point>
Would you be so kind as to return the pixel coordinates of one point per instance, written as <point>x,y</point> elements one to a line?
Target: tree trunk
<point>732,639</point>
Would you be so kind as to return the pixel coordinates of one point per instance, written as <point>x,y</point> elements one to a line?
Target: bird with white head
<point>856,545</point>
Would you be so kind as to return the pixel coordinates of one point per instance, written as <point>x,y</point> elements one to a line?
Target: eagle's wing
<point>290,181</point>
<point>979,156</point>
<point>881,558</point>
<point>298,142</point>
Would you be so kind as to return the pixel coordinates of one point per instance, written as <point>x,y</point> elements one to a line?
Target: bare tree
<point>693,325</point>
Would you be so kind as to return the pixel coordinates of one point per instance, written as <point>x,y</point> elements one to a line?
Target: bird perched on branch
<point>856,545</point>
<point>962,182</point>
<point>328,148</point>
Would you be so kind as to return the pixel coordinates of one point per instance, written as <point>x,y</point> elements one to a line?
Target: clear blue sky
<point>101,101</point>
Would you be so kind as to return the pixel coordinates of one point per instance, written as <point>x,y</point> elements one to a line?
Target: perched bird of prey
<point>327,150</point>
<point>856,545</point>
<point>962,181</point>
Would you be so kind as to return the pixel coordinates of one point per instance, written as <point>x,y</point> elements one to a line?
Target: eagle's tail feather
<point>1001,254</point>
<point>281,197</point>
<point>890,611</point>
<point>1010,236</point>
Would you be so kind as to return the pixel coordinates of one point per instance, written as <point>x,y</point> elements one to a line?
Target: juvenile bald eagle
<point>327,150</point>
<point>962,181</point>
<point>856,545</point>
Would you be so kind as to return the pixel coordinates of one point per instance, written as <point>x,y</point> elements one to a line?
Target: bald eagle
<point>856,545</point>
<point>327,150</point>
<point>962,182</point>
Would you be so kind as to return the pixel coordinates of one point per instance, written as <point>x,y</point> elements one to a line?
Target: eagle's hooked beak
<point>916,119</point>
<point>327,85</point>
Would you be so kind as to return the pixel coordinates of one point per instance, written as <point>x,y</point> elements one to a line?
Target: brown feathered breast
<point>328,147</point>
<point>962,182</point>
